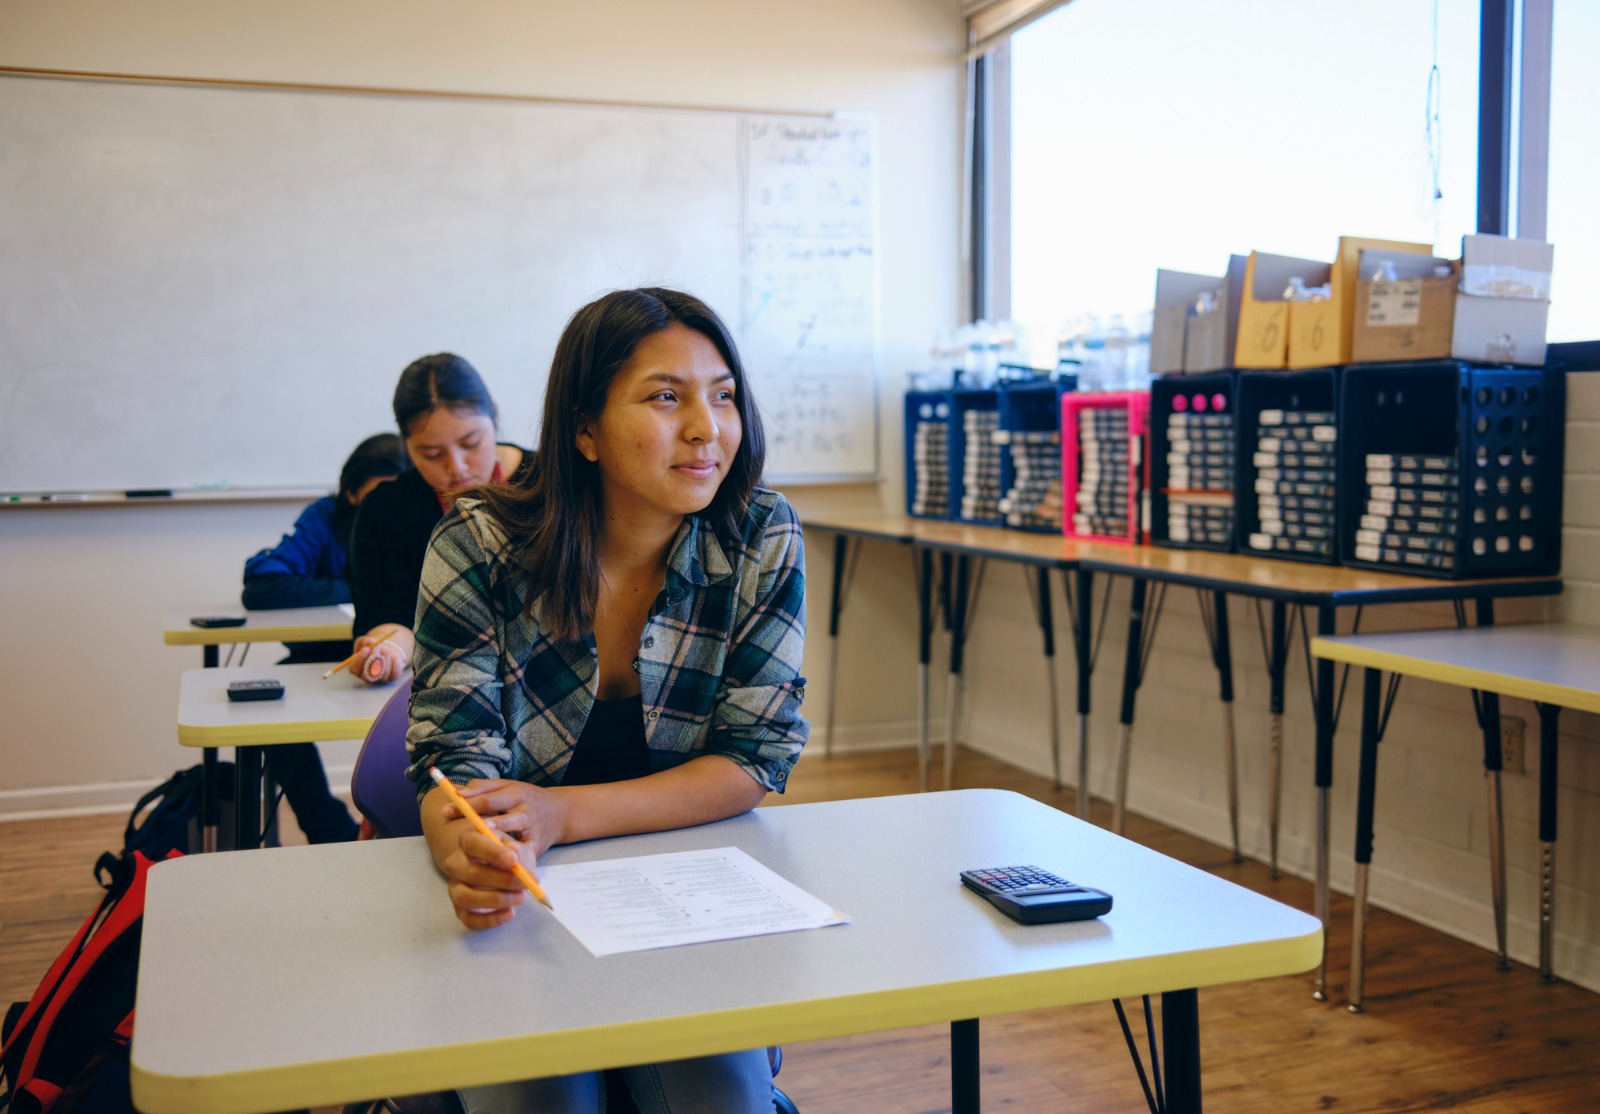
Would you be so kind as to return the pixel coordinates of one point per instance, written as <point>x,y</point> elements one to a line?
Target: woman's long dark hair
<point>554,514</point>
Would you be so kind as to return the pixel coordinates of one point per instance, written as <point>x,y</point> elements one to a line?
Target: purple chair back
<point>379,786</point>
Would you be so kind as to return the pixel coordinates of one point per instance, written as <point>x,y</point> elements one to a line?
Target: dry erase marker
<point>466,810</point>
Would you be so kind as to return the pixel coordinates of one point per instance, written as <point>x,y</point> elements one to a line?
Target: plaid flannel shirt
<point>718,659</point>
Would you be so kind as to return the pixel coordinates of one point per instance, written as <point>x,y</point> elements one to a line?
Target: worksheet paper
<point>348,608</point>
<point>685,897</point>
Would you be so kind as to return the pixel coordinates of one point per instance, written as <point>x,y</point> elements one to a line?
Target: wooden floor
<point>1444,1029</point>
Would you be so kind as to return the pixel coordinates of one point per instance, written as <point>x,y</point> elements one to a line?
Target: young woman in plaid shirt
<point>613,645</point>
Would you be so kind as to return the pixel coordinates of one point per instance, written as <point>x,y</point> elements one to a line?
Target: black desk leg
<point>841,547</point>
<point>1180,1045</point>
<point>964,1067</point>
<point>1277,669</point>
<point>1048,629</point>
<point>958,639</point>
<point>210,800</point>
<point>1082,647</point>
<point>269,807</point>
<point>924,571</point>
<point>1130,691</point>
<point>1489,705</point>
<point>1549,716</point>
<point>1223,653</point>
<point>1366,792</point>
<point>246,797</point>
<point>1326,618</point>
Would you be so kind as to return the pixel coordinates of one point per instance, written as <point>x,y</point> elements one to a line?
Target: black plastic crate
<point>1030,453</point>
<point>1288,503</point>
<point>927,448</point>
<point>1449,469</point>
<point>1193,461</point>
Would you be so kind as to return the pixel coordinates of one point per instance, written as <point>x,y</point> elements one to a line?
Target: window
<point>1169,133</point>
<point>1574,219</point>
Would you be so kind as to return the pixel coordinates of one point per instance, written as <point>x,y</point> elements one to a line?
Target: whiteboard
<point>216,287</point>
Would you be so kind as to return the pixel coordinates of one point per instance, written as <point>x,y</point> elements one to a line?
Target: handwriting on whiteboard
<point>807,308</point>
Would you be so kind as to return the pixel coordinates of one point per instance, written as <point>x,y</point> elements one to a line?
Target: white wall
<point>88,690</point>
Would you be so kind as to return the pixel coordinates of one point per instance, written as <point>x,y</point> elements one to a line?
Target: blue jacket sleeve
<point>305,569</point>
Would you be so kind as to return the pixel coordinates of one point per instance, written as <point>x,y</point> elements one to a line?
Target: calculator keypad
<point>1023,880</point>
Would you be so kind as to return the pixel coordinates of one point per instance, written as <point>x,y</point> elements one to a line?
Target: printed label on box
<point>1394,303</point>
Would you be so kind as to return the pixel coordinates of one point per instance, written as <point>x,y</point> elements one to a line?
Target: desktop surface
<point>312,975</point>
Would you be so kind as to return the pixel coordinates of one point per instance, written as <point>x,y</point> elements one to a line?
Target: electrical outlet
<point>1511,750</point>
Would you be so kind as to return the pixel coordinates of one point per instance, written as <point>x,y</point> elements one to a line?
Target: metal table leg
<point>1325,716</point>
<point>1366,791</point>
<point>964,1067</point>
<point>1549,716</point>
<point>1083,616</point>
<point>210,797</point>
<point>1130,688</point>
<point>960,608</point>
<point>1489,712</point>
<point>246,797</point>
<point>1277,670</point>
<point>1222,657</point>
<point>841,547</point>
<point>923,560</point>
<point>1047,629</point>
<point>1180,1046</point>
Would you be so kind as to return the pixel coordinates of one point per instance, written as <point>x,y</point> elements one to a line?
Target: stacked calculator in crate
<point>980,456</point>
<point>1102,462</point>
<point>1295,459</point>
<point>1451,469</point>
<point>1412,511</point>
<point>927,415</point>
<point>1192,450</point>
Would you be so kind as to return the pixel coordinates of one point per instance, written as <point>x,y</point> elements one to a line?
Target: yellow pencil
<point>352,657</point>
<point>523,874</point>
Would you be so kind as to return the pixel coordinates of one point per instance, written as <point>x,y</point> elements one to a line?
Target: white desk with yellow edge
<point>360,981</point>
<point>289,624</point>
<point>310,710</point>
<point>1556,665</point>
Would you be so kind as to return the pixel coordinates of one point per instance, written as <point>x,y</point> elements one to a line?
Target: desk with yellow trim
<point>360,981</point>
<point>1555,665</point>
<point>310,710</point>
<point>290,624</point>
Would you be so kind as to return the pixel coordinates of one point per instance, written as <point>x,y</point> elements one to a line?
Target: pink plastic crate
<point>1137,405</point>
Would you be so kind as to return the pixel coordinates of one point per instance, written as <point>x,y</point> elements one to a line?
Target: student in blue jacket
<point>307,569</point>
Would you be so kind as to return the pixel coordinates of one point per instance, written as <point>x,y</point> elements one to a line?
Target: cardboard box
<point>1209,339</point>
<point>1406,319</point>
<point>1263,340</point>
<point>1320,332</point>
<point>1176,294</point>
<point>1503,304</point>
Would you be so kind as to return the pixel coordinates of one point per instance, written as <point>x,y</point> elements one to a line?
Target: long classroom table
<point>1281,584</point>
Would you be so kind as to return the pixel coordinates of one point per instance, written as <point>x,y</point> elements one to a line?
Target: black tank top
<point>612,746</point>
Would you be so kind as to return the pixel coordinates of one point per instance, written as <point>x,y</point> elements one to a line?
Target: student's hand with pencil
<point>483,888</point>
<point>383,653</point>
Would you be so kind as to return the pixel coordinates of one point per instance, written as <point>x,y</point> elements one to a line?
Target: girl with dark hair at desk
<point>307,569</point>
<point>612,643</point>
<point>448,421</point>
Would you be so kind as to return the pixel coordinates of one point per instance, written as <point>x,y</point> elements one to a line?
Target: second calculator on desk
<point>1034,896</point>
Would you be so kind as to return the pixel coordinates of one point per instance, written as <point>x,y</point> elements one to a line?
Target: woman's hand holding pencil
<point>469,874</point>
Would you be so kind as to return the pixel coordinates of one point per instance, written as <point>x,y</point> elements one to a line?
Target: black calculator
<point>1034,896</point>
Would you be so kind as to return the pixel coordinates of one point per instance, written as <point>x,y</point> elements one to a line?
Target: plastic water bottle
<point>1139,353</point>
<point>1092,360</point>
<point>1115,377</point>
